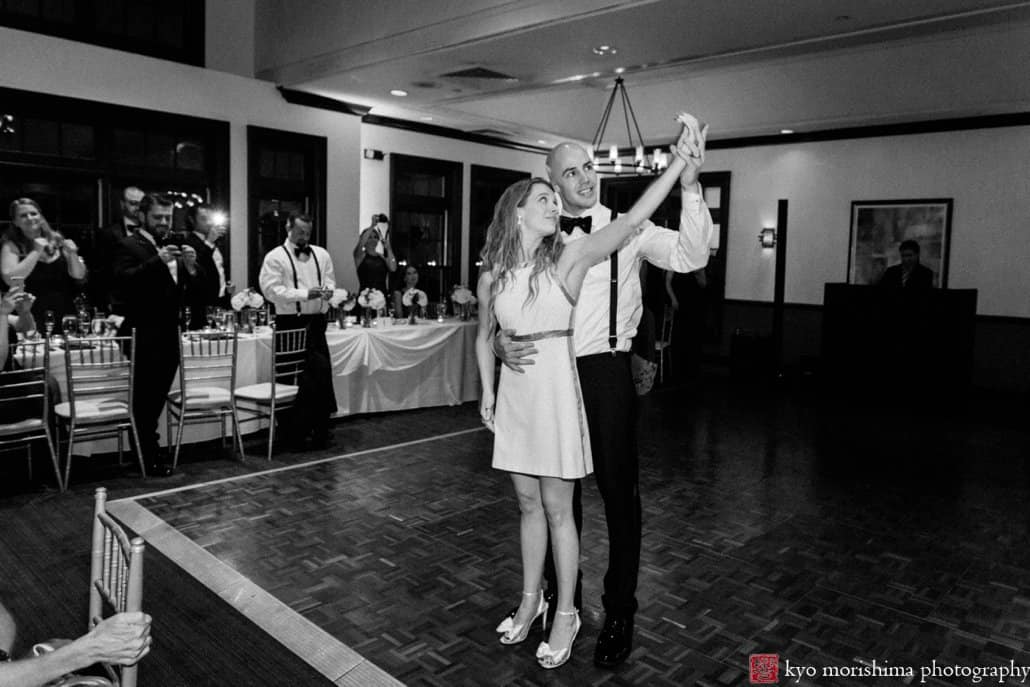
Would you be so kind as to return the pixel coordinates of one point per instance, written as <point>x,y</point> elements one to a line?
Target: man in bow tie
<point>298,279</point>
<point>155,278</point>
<point>602,339</point>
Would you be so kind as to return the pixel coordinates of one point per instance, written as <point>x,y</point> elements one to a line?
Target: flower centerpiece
<point>463,300</point>
<point>371,299</point>
<point>339,301</point>
<point>246,302</point>
<point>414,300</point>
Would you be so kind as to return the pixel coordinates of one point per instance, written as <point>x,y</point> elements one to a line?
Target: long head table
<point>396,367</point>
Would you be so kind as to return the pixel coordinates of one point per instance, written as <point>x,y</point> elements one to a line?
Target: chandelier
<point>636,161</point>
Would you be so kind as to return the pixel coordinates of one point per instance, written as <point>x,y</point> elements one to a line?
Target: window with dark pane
<point>77,140</point>
<point>28,8</point>
<point>141,20</point>
<point>109,17</point>
<point>169,29</point>
<point>128,147</point>
<point>42,136</point>
<point>189,155</point>
<point>60,11</point>
<point>160,150</point>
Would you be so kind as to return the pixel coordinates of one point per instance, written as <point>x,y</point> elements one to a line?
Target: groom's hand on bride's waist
<point>514,354</point>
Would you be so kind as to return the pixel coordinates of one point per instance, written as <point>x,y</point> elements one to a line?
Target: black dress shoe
<point>615,642</point>
<point>160,470</point>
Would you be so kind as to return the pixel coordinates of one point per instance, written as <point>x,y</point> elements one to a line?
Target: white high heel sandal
<point>516,634</point>
<point>548,659</point>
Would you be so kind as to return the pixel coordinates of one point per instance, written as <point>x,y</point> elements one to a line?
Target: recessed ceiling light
<point>426,119</point>
<point>605,50</point>
<point>541,141</point>
<point>398,92</point>
<point>786,131</point>
<point>619,70</point>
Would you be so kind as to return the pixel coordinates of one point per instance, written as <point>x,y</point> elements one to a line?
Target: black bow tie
<point>306,250</point>
<point>569,223</point>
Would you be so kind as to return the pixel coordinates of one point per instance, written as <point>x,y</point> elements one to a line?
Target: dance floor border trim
<point>332,658</point>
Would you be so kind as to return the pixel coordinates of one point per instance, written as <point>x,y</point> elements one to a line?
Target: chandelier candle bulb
<point>639,157</point>
<point>613,153</point>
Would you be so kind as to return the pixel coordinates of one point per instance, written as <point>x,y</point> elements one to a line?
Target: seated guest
<point>15,316</point>
<point>909,273</point>
<point>373,256</point>
<point>46,263</point>
<point>122,639</point>
<point>206,226</point>
<point>410,282</point>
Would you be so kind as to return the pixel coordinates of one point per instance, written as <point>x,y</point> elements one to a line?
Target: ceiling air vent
<point>479,73</point>
<point>493,133</point>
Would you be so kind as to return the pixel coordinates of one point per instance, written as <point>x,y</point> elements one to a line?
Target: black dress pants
<point>316,400</point>
<point>610,401</point>
<point>157,360</point>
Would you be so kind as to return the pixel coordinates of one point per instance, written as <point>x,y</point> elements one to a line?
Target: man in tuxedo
<point>155,277</point>
<point>298,279</point>
<point>102,287</point>
<point>206,226</point>
<point>909,274</point>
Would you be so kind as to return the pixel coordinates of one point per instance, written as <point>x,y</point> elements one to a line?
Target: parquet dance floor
<point>773,530</point>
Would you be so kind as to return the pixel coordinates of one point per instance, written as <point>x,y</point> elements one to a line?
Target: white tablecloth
<point>375,369</point>
<point>396,367</point>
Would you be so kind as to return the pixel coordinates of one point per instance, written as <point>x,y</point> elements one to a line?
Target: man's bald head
<point>571,169</point>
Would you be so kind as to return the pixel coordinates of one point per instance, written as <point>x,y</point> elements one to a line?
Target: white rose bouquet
<point>247,298</point>
<point>461,295</point>
<point>372,298</point>
<point>415,297</point>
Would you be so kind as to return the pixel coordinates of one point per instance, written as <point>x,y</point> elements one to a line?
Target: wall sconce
<point>372,154</point>
<point>767,238</point>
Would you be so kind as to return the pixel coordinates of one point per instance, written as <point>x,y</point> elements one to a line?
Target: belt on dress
<point>537,336</point>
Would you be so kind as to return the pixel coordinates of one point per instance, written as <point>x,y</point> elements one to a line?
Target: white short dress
<point>539,420</point>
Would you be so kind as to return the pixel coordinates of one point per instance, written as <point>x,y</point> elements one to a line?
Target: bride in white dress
<point>529,283</point>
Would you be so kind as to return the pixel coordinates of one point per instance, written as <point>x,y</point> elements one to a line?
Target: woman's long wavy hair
<point>14,233</point>
<point>502,252</point>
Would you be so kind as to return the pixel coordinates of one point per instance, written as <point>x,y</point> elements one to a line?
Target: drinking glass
<point>99,324</point>
<point>49,320</point>
<point>85,322</point>
<point>187,317</point>
<point>69,325</point>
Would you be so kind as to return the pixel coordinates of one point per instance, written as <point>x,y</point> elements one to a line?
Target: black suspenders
<point>293,266</point>
<point>613,298</point>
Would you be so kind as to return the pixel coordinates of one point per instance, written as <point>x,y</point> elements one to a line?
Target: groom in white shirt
<point>602,343</point>
<point>298,279</point>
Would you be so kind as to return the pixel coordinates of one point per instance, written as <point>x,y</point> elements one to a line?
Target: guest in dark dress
<point>373,256</point>
<point>44,262</point>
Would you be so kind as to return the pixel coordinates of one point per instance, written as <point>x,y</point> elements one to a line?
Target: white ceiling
<point>749,67</point>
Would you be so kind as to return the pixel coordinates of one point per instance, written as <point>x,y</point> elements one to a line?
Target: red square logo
<point>765,669</point>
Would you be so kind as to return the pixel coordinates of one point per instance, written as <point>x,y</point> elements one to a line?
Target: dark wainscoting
<point>1001,354</point>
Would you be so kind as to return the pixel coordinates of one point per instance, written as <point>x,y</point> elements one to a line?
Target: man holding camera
<point>155,274</point>
<point>298,278</point>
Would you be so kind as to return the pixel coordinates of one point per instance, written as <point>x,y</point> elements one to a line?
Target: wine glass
<point>187,317</point>
<point>69,325</point>
<point>99,323</point>
<point>49,320</point>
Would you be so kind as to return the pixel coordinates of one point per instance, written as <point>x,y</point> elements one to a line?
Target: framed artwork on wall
<point>879,226</point>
